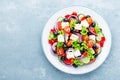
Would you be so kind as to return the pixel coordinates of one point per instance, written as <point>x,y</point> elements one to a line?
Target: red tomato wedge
<point>51,41</point>
<point>85,54</point>
<point>101,43</point>
<point>59,25</point>
<point>67,29</point>
<point>74,13</point>
<point>67,16</point>
<point>60,51</point>
<point>69,43</point>
<point>89,20</point>
<point>69,61</point>
<point>85,38</point>
<point>83,18</point>
<point>92,60</point>
<point>90,44</point>
<point>52,30</point>
<point>103,38</point>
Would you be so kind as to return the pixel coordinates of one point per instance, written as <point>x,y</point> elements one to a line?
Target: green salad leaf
<point>60,44</point>
<point>61,32</point>
<point>84,45</point>
<point>90,54</point>
<point>78,62</point>
<point>84,31</point>
<point>59,58</point>
<point>76,45</point>
<point>97,29</point>
<point>72,23</point>
<point>52,36</point>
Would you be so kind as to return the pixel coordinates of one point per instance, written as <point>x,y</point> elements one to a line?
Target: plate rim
<point>103,21</point>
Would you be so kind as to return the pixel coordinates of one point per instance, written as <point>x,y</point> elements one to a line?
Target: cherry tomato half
<point>69,61</point>
<point>60,51</point>
<point>90,44</point>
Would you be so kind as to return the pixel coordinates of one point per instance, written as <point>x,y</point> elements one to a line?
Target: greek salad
<point>76,39</point>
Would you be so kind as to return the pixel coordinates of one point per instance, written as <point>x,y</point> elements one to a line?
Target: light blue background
<point>21,25</point>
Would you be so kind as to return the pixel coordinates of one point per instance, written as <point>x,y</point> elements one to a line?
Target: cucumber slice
<point>78,62</point>
<point>60,18</point>
<point>86,60</point>
<point>80,16</point>
<point>99,48</point>
<point>101,34</point>
<point>98,38</point>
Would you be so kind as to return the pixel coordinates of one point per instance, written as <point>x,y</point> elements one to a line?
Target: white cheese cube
<point>84,23</point>
<point>78,26</point>
<point>74,37</point>
<point>60,38</point>
<point>64,24</point>
<point>77,53</point>
<point>70,53</point>
<point>92,37</point>
<point>66,37</point>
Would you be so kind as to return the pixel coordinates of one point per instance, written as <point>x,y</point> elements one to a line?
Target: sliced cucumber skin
<point>100,50</point>
<point>86,60</point>
<point>60,18</point>
<point>98,37</point>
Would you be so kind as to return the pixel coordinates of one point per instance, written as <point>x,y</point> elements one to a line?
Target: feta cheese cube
<point>92,37</point>
<point>78,26</point>
<point>70,53</point>
<point>64,24</point>
<point>84,23</point>
<point>60,38</point>
<point>74,37</point>
<point>77,53</point>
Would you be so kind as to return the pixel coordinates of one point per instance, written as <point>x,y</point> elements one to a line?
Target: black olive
<point>94,47</point>
<point>55,52</point>
<point>89,33</point>
<point>93,24</point>
<point>73,31</point>
<point>63,58</point>
<point>74,65</point>
<point>65,48</point>
<point>73,17</point>
<point>79,56</point>
<point>100,29</point>
<point>87,16</point>
<point>80,43</point>
<point>56,33</point>
<point>78,22</point>
<point>65,45</point>
<point>95,55</point>
<point>65,20</point>
<point>82,51</point>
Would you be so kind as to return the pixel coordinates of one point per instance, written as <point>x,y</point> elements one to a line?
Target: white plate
<point>69,69</point>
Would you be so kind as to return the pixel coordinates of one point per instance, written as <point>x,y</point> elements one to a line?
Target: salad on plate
<point>76,39</point>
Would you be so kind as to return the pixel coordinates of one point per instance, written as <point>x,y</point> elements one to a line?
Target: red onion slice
<point>66,38</point>
<point>81,57</point>
<point>54,46</point>
<point>80,36</point>
<point>73,16</point>
<point>92,31</point>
